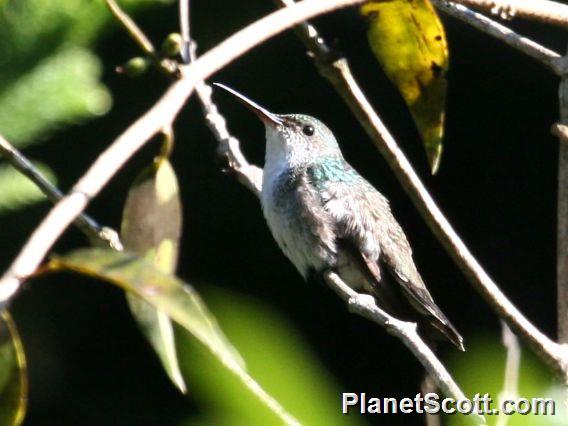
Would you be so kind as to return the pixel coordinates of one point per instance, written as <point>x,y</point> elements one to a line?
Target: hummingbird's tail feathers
<point>420,299</point>
<point>440,325</point>
<point>402,297</point>
<point>445,329</point>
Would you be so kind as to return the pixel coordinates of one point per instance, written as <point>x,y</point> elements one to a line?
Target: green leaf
<point>151,228</point>
<point>276,354</point>
<point>171,296</point>
<point>17,191</point>
<point>33,29</point>
<point>409,41</point>
<point>482,370</point>
<point>13,374</point>
<point>50,78</point>
<point>63,89</point>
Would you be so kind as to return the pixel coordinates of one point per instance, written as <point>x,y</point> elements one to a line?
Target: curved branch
<point>161,114</point>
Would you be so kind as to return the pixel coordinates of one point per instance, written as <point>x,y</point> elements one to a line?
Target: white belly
<point>287,233</point>
<point>295,235</point>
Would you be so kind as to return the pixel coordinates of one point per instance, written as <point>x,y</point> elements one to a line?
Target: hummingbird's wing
<point>365,223</point>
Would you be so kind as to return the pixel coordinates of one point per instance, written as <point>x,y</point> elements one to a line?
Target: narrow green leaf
<point>13,374</point>
<point>409,41</point>
<point>151,228</point>
<point>276,354</point>
<point>170,295</point>
<point>17,191</point>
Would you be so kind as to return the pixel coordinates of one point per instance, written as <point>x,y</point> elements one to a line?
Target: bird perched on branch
<point>325,216</point>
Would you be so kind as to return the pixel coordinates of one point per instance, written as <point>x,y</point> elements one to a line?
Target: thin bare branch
<point>339,74</point>
<point>185,25</point>
<point>561,130</point>
<point>365,305</point>
<point>477,20</point>
<point>555,355</point>
<point>510,389</point>
<point>548,12</point>
<point>165,65</point>
<point>228,146</point>
<point>85,223</point>
<point>161,114</point>
<point>251,177</point>
<point>133,30</point>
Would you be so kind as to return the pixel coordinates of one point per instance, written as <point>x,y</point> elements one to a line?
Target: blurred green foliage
<point>17,190</point>
<point>174,298</point>
<point>49,76</point>
<point>275,355</point>
<point>62,89</point>
<point>481,370</point>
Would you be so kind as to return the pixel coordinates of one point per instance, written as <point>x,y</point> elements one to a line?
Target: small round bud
<point>171,46</point>
<point>134,67</point>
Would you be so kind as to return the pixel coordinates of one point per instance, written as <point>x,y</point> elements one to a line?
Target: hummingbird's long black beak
<point>265,116</point>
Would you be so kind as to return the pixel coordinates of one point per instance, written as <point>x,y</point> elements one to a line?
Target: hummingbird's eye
<point>308,130</point>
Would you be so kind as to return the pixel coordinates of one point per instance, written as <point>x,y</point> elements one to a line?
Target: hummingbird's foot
<point>361,300</point>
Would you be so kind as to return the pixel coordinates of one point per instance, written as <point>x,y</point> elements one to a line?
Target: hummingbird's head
<point>293,139</point>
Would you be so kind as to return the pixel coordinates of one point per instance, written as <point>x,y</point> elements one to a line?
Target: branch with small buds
<point>228,146</point>
<point>160,116</point>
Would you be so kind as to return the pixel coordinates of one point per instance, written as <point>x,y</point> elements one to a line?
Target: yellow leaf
<point>13,373</point>
<point>409,42</point>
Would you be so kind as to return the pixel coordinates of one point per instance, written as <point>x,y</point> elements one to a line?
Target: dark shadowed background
<point>497,184</point>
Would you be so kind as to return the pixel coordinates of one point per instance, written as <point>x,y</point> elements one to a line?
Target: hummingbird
<point>325,216</point>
